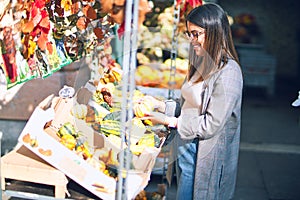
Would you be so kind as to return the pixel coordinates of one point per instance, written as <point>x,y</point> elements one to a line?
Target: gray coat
<point>218,129</point>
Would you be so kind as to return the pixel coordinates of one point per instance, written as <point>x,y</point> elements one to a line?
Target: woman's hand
<point>159,105</point>
<point>160,118</point>
<point>157,118</point>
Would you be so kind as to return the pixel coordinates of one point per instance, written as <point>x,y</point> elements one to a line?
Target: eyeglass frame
<point>193,34</point>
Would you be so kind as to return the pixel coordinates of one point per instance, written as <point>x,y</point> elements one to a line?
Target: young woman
<point>206,144</point>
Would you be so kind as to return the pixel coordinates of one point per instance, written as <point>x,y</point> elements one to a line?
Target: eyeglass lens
<point>193,34</point>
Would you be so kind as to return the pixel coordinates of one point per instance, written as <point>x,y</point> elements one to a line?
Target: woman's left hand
<point>160,105</point>
<point>157,118</point>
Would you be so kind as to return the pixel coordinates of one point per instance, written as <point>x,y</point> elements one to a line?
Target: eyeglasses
<point>193,34</point>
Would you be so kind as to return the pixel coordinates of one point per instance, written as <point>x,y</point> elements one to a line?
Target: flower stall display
<point>39,37</point>
<point>80,132</point>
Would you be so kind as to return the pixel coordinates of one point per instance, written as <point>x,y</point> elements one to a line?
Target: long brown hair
<point>218,42</point>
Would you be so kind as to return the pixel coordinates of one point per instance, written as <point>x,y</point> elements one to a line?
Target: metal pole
<point>174,49</point>
<point>132,67</point>
<point>124,111</point>
<point>128,86</point>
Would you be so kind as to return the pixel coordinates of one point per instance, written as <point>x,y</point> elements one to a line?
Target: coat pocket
<point>221,177</point>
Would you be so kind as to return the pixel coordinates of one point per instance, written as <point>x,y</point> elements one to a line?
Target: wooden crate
<point>22,164</point>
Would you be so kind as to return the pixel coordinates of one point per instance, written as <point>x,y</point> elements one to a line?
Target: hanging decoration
<point>188,5</point>
<point>185,7</point>
<point>39,37</point>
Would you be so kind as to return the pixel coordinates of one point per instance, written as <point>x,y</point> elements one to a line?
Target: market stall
<point>94,135</point>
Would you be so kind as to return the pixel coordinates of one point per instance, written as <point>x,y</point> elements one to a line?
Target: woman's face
<point>196,35</point>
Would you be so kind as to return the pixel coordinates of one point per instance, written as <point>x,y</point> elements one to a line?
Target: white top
<point>191,92</point>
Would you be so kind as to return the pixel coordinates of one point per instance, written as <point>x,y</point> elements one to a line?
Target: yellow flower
<point>66,4</point>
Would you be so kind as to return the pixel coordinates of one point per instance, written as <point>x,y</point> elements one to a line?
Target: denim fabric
<point>185,168</point>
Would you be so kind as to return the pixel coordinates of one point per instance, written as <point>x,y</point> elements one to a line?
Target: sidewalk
<point>270,149</point>
<point>269,159</point>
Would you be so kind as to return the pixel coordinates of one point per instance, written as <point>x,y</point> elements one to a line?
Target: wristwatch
<point>170,108</point>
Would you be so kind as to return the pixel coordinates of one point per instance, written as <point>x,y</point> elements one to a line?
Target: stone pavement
<point>269,159</point>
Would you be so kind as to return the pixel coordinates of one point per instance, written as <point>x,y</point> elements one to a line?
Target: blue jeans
<point>185,168</point>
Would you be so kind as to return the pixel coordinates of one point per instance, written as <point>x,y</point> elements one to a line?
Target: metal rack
<point>128,82</point>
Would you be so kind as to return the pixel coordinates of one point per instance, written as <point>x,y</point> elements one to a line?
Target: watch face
<point>66,92</point>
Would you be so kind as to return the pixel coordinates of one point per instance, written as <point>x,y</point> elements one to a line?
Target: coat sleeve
<point>226,91</point>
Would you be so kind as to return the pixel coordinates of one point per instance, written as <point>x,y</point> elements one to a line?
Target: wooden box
<point>21,164</point>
